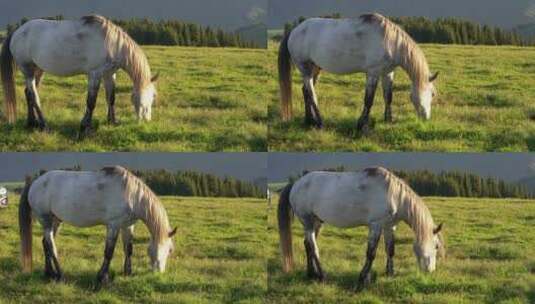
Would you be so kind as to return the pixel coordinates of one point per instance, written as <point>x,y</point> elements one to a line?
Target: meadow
<point>484,103</point>
<point>219,258</point>
<point>209,99</point>
<point>489,259</point>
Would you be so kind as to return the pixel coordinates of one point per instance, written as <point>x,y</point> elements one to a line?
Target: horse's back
<point>63,48</point>
<point>339,46</point>
<point>343,199</point>
<point>81,198</point>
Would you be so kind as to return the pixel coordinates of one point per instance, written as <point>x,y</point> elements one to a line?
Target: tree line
<point>445,31</point>
<point>170,32</point>
<point>190,183</point>
<point>453,184</point>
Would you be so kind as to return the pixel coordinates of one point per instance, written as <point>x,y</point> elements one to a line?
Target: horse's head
<point>422,97</point>
<point>159,252</point>
<point>144,98</point>
<point>426,251</point>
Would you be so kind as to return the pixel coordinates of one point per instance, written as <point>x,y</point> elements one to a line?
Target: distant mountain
<point>256,33</point>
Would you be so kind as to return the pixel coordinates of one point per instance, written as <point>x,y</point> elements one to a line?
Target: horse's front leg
<point>374,235</point>
<point>109,86</point>
<point>111,240</point>
<point>390,249</point>
<point>371,87</point>
<point>388,84</point>
<point>128,239</point>
<point>92,93</point>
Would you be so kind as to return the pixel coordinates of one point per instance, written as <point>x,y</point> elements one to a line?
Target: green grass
<point>489,242</point>
<point>209,99</point>
<point>485,103</point>
<point>220,258</point>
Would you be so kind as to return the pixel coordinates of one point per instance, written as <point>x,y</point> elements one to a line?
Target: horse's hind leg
<point>111,240</point>
<point>109,86</point>
<point>389,248</point>
<point>371,87</point>
<point>92,93</point>
<point>374,235</point>
<point>128,239</point>
<point>35,116</point>
<point>51,252</point>
<point>310,73</point>
<point>314,269</point>
<point>388,84</point>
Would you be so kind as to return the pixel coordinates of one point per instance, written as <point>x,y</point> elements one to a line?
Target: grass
<point>209,99</point>
<point>485,103</point>
<point>489,259</point>
<point>219,258</point>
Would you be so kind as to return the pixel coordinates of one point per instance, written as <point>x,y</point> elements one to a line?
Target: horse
<point>113,197</point>
<point>371,44</point>
<point>92,45</point>
<point>373,197</point>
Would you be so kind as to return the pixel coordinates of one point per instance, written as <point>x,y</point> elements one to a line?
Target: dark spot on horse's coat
<point>80,36</point>
<point>112,170</point>
<point>93,19</point>
<point>100,186</point>
<point>306,185</point>
<point>371,18</point>
<point>375,171</point>
<point>359,34</point>
<point>45,183</point>
<point>362,187</point>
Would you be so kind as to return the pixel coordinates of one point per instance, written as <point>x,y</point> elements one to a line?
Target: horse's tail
<point>285,78</point>
<point>7,67</point>
<point>25,227</point>
<point>285,217</point>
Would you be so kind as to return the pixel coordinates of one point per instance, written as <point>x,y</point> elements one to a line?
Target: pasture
<point>489,246</point>
<point>219,258</point>
<point>484,103</point>
<point>209,99</point>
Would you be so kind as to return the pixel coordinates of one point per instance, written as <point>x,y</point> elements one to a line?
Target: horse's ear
<point>155,77</point>
<point>437,229</point>
<point>173,232</point>
<point>433,77</point>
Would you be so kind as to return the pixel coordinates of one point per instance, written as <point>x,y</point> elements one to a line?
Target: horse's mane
<point>408,202</point>
<point>146,204</point>
<point>402,48</point>
<point>121,46</point>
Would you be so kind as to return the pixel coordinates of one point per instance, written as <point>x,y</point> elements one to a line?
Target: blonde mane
<point>123,49</point>
<point>146,204</point>
<point>403,49</point>
<point>410,206</point>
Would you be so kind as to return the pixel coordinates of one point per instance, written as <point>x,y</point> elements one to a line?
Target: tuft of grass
<point>484,103</point>
<point>219,258</point>
<point>489,260</point>
<point>209,99</point>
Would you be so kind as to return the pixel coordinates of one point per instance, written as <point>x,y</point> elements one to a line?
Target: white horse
<point>92,45</point>
<point>112,197</point>
<point>373,197</point>
<point>371,44</point>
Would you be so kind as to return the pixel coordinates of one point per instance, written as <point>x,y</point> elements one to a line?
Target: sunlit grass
<point>209,99</point>
<point>220,258</point>
<point>485,103</point>
<point>489,259</point>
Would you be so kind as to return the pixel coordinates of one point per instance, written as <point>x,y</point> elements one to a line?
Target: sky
<point>227,14</point>
<point>244,166</point>
<point>511,166</point>
<point>504,13</point>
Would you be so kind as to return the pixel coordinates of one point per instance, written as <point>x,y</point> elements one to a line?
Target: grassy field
<point>490,245</point>
<point>485,103</point>
<point>220,258</point>
<point>209,99</point>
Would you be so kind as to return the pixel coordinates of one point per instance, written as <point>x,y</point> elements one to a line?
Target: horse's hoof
<point>85,131</point>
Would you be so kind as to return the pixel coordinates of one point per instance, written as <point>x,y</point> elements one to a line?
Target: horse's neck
<point>157,226</point>
<point>415,214</point>
<point>407,62</point>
